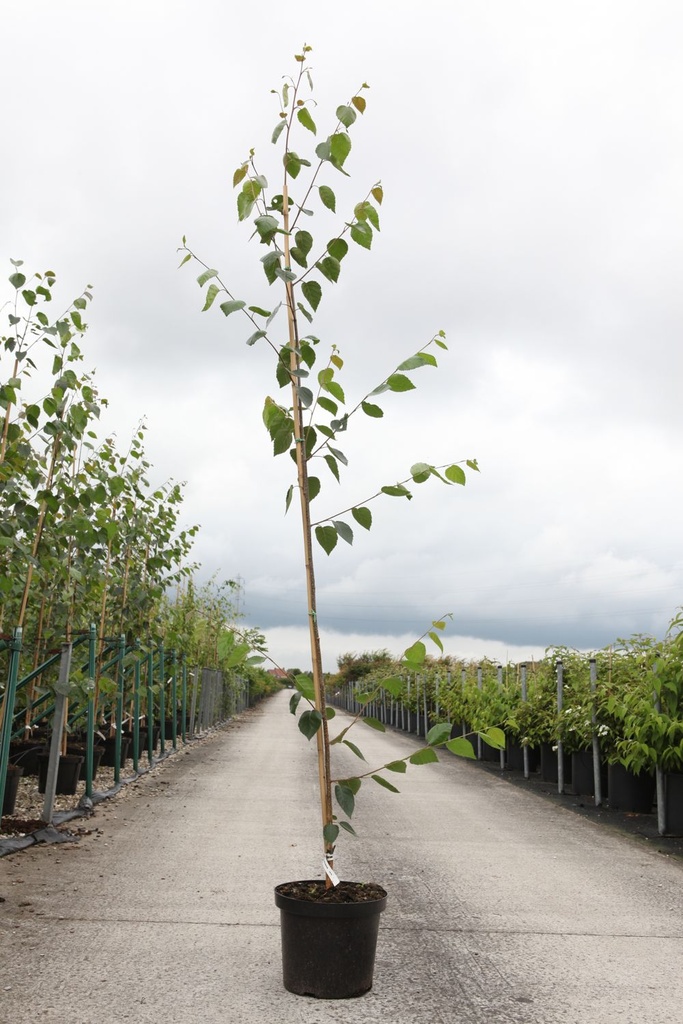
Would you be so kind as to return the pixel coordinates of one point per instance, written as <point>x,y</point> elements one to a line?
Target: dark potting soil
<point>345,892</point>
<point>21,826</point>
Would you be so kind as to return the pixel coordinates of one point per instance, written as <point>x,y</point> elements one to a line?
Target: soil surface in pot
<point>345,892</point>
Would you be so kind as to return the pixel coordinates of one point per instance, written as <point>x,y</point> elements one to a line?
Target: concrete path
<point>503,908</point>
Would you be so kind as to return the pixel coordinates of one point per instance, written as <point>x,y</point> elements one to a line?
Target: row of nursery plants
<point>100,701</point>
<point>612,713</point>
<point>100,615</point>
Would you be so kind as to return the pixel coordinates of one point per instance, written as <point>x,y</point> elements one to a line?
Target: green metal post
<point>184,698</point>
<point>8,705</point>
<point>120,683</point>
<point>90,720</point>
<point>162,699</point>
<point>136,715</point>
<point>150,706</point>
<point>174,698</point>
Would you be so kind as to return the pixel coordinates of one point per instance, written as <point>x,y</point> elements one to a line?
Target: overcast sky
<point>531,155</point>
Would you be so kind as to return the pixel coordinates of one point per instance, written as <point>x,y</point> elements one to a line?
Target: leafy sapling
<point>311,415</point>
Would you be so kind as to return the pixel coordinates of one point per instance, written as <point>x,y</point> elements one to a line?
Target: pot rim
<point>309,908</point>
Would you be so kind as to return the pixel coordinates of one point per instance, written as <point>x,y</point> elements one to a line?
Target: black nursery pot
<point>630,792</point>
<point>328,949</point>
<point>14,773</point>
<point>583,778</point>
<point>25,754</point>
<point>68,772</point>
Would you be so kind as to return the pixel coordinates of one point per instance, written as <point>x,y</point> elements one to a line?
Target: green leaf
<point>372,215</point>
<point>309,723</point>
<point>374,723</point>
<point>306,120</point>
<point>239,174</point>
<point>416,654</point>
<point>345,798</point>
<point>340,147</point>
<point>330,833</point>
<point>329,268</point>
<point>420,472</point>
<point>232,306</point>
<point>378,194</point>
<point>183,260</point>
<point>271,264</point>
<point>461,747</point>
<point>339,455</point>
<point>359,103</point>
<point>336,389</point>
<point>267,227</point>
<point>439,624</point>
<point>305,397</point>
<point>332,466</point>
<point>383,782</point>
<point>456,475</point>
<point>17,280</point>
<point>313,487</point>
<point>397,491</point>
<point>244,206</point>
<point>399,382</point>
<point>345,825</point>
<point>363,516</point>
<point>304,241</point>
<point>361,232</point>
<point>425,756</point>
<point>205,276</point>
<point>397,766</point>
<point>413,363</point>
<point>393,685</point>
<point>494,738</point>
<point>372,410</point>
<point>305,686</point>
<point>292,163</point>
<point>439,734</point>
<point>277,131</point>
<point>347,115</point>
<point>288,498</point>
<point>294,702</point>
<point>328,198</point>
<point>436,639</point>
<point>253,338</point>
<point>211,293</point>
<point>259,311</point>
<point>354,748</point>
<point>328,405</point>
<point>312,292</point>
<point>304,312</point>
<point>327,538</point>
<point>344,530</point>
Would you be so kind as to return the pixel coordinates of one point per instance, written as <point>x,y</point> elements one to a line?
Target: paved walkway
<point>503,907</point>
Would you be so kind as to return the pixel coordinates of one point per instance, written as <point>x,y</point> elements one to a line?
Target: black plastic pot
<point>490,754</point>
<point>630,792</point>
<point>14,773</point>
<point>515,757</point>
<point>549,764</point>
<point>328,949</point>
<point>674,803</point>
<point>78,749</point>
<point>583,777</point>
<point>67,773</point>
<point>109,755</point>
<point>25,753</point>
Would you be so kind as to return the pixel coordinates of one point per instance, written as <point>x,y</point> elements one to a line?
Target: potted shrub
<point>627,713</point>
<point>667,727</point>
<point>329,927</point>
